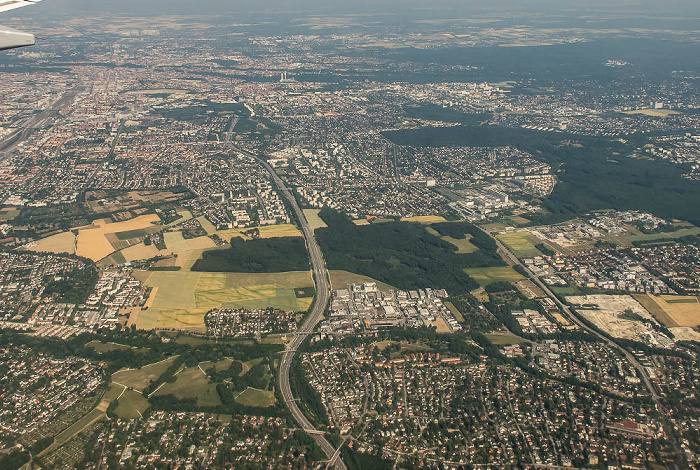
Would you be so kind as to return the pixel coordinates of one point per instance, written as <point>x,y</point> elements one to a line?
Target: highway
<point>322,282</point>
<point>320,302</point>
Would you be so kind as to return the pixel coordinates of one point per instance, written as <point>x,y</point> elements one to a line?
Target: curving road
<point>320,302</point>
<point>574,317</point>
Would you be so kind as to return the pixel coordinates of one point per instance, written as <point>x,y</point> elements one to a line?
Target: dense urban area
<point>310,241</point>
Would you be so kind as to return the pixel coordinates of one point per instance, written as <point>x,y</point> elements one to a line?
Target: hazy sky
<point>149,7</point>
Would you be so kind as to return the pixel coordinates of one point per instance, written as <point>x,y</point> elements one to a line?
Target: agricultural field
<point>60,243</point>
<point>141,251</point>
<point>94,241</point>
<point>521,243</point>
<point>192,383</point>
<point>277,231</point>
<point>206,225</point>
<point>425,219</point>
<point>672,310</point>
<point>139,379</point>
<point>255,397</point>
<point>486,276</point>
<point>182,298</point>
<point>314,220</point>
<point>342,279</point>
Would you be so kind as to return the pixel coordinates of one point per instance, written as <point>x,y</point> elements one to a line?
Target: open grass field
<point>183,298</point>
<point>503,339</point>
<point>486,276</point>
<point>672,310</point>
<point>139,379</point>
<point>255,397</point>
<point>314,220</point>
<point>93,242</point>
<point>569,290</point>
<point>60,243</point>
<point>455,311</point>
<point>653,112</point>
<point>425,219</point>
<point>342,279</point>
<point>132,405</point>
<point>656,236</point>
<point>108,347</point>
<point>8,213</point>
<point>463,246</point>
<point>522,243</point>
<point>192,383</point>
<point>218,366</point>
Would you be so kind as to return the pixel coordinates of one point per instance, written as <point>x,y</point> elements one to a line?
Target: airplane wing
<point>11,38</point>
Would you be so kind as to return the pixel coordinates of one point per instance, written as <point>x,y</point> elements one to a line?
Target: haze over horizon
<point>685,8</point>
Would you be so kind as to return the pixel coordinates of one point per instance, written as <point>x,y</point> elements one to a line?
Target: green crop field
<point>139,379</point>
<point>129,234</point>
<point>255,397</point>
<point>522,243</point>
<point>182,298</point>
<point>486,276</point>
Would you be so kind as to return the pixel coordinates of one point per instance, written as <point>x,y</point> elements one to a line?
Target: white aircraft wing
<point>10,38</point>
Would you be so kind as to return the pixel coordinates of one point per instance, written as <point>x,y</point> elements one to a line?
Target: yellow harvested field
<point>93,242</point>
<point>425,219</point>
<point>267,231</point>
<point>61,243</point>
<point>673,310</point>
<point>206,225</point>
<point>360,222</point>
<point>141,251</point>
<point>274,231</point>
<point>175,243</point>
<point>314,220</point>
<point>201,243</point>
<point>654,112</point>
<point>441,326</point>
<point>182,298</point>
